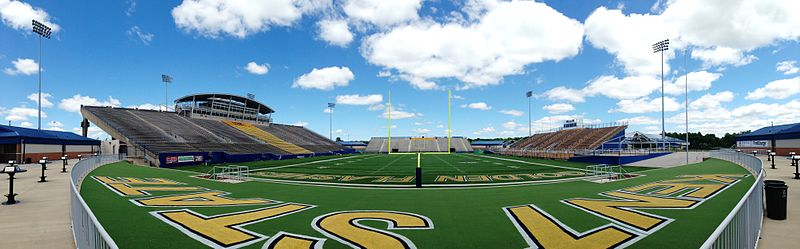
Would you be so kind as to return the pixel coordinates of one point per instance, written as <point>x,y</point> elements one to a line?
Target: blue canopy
<point>786,131</point>
<point>15,135</point>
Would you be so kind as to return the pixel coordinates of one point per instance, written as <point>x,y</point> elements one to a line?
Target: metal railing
<point>86,230</point>
<point>742,227</point>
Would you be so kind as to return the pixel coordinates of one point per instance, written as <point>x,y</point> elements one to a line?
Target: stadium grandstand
<point>418,144</point>
<point>29,145</point>
<point>207,127</point>
<point>566,141</point>
<point>781,139</point>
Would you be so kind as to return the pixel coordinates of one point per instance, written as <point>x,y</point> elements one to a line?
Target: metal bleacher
<point>408,144</point>
<point>156,132</point>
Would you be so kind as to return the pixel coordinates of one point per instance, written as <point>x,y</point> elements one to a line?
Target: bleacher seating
<point>408,144</point>
<point>157,132</point>
<point>568,139</point>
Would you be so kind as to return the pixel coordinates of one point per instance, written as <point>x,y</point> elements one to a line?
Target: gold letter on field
<point>205,199</point>
<point>225,230</point>
<point>542,231</point>
<point>614,209</point>
<point>344,227</point>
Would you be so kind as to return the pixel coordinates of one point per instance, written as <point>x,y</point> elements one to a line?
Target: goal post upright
<point>389,118</point>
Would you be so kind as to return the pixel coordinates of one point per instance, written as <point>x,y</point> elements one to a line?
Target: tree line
<point>699,141</point>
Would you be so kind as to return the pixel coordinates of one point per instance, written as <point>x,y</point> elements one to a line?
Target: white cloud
<point>377,107</point>
<point>508,36</point>
<point>356,99</point>
<point>779,89</point>
<point>325,79</point>
<point>300,123</point>
<point>565,93</point>
<point>148,106</point>
<point>23,113</point>
<point>335,32</point>
<point>398,113</point>
<point>382,13</point>
<point>26,124</point>
<point>698,81</point>
<point>484,130</point>
<point>45,99</point>
<point>626,88</point>
<point>327,110</point>
<point>92,132</point>
<point>18,15</point>
<point>255,68</point>
<point>629,37</point>
<point>787,67</point>
<point>646,105</point>
<point>512,112</point>
<point>55,126</point>
<point>722,56</point>
<point>558,108</point>
<point>212,18</point>
<point>640,120</point>
<point>74,103</point>
<point>143,36</point>
<point>711,101</point>
<point>22,66</point>
<point>477,106</point>
<point>421,130</point>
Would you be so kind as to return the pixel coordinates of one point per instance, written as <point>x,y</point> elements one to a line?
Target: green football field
<point>399,169</point>
<point>143,207</point>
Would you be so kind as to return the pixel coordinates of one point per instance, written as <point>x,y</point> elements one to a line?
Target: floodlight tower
<point>529,94</point>
<point>166,79</point>
<point>43,31</point>
<point>330,125</point>
<point>661,47</point>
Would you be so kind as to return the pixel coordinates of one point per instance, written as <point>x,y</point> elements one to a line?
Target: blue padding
<point>615,159</point>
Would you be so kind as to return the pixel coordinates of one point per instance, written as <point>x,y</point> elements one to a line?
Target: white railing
<point>742,227</point>
<point>86,230</point>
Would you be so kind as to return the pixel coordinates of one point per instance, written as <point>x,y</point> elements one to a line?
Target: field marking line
<point>451,165</point>
<point>532,163</point>
<point>300,164</point>
<point>387,165</point>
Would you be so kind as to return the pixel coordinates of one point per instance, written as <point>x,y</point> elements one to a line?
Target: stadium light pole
<point>166,79</point>
<point>529,94</point>
<point>330,125</point>
<point>661,47</point>
<point>43,31</point>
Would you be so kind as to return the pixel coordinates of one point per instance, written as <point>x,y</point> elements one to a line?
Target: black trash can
<point>773,182</point>
<point>776,201</point>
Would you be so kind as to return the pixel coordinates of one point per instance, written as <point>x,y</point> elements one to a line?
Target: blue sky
<point>590,60</point>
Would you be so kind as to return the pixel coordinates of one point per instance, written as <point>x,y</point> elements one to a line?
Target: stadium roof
<point>14,135</point>
<point>773,132</point>
<point>251,103</point>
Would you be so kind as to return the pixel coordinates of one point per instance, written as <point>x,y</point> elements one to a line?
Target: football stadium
<point>399,124</point>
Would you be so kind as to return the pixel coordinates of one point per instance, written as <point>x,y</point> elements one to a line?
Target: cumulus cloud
<point>382,13</point>
<point>74,103</point>
<point>55,126</point>
<point>477,106</point>
<point>148,106</point>
<point>325,79</point>
<point>213,18</point>
<point>398,113</point>
<point>143,36</point>
<point>336,32</point>
<point>787,67</point>
<point>558,108</point>
<point>565,93</point>
<point>507,37</point>
<point>22,66</point>
<point>711,101</point>
<point>45,99</point>
<point>512,112</point>
<point>18,15</point>
<point>23,113</point>
<point>421,130</point>
<point>355,99</point>
<point>630,87</point>
<point>255,68</point>
<point>640,120</point>
<point>646,105</point>
<point>300,123</point>
<point>698,81</point>
<point>779,89</point>
<point>719,56</point>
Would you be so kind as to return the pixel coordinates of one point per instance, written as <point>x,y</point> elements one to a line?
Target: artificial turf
<point>462,217</point>
<point>374,168</point>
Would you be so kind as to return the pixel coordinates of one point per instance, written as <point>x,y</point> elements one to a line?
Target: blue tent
<point>15,135</point>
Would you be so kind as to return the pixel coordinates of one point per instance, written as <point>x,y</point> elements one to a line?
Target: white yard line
<point>532,163</point>
<point>451,165</point>
<point>387,165</point>
<point>307,163</point>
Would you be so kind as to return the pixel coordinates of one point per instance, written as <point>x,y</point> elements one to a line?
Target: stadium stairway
<point>268,137</point>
